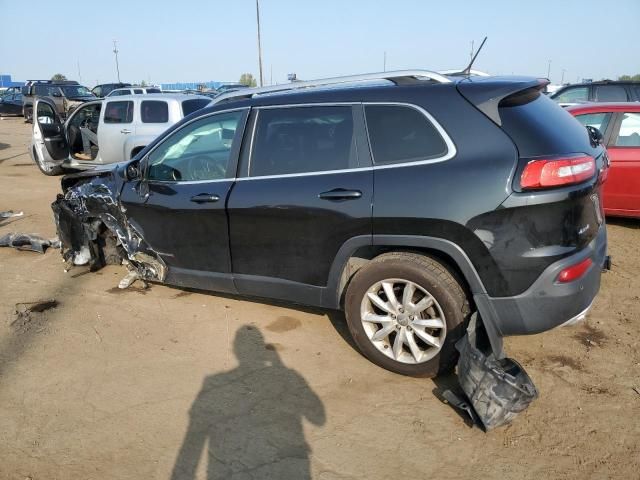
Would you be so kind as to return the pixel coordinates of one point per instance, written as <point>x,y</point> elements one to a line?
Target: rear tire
<point>400,334</point>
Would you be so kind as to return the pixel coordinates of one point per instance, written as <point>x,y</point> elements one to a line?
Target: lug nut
<point>409,328</point>
<point>411,317</point>
<point>401,309</point>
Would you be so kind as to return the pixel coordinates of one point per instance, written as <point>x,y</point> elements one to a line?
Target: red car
<point>620,126</point>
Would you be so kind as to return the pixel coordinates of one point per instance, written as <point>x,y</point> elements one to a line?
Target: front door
<point>622,188</point>
<point>305,191</point>
<point>48,134</point>
<point>179,206</point>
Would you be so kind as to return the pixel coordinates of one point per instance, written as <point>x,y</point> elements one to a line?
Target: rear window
<point>596,120</point>
<point>610,93</point>
<point>401,134</point>
<point>542,127</point>
<point>154,111</point>
<point>118,112</point>
<point>190,106</point>
<point>573,95</point>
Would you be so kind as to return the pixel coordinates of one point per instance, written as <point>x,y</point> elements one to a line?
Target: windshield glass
<point>76,91</point>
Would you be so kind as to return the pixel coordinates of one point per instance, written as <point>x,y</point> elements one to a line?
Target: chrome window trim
<point>451,148</point>
<point>190,182</point>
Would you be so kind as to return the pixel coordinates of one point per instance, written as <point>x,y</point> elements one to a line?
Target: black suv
<point>602,91</point>
<point>105,89</point>
<point>410,202</point>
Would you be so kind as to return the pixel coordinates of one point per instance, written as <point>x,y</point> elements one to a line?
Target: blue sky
<point>216,40</point>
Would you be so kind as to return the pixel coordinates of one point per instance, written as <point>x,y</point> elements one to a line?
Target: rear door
<point>179,206</point>
<point>622,188</point>
<point>48,133</point>
<point>305,188</point>
<point>116,125</point>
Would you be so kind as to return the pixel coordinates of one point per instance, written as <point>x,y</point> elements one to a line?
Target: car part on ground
<point>28,241</point>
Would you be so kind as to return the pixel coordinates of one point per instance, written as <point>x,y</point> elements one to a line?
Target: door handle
<point>205,198</point>
<point>340,194</point>
<point>125,130</point>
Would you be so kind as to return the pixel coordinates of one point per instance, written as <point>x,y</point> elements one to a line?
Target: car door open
<point>48,131</point>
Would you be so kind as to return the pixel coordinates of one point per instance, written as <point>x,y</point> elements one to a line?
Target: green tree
<point>635,78</point>
<point>58,77</point>
<point>143,83</point>
<point>248,80</point>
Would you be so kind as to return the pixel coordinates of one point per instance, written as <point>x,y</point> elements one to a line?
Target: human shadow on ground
<point>248,421</point>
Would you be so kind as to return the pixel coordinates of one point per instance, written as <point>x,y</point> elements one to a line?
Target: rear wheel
<point>405,312</point>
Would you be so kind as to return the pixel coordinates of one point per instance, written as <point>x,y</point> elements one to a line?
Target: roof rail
<point>458,73</point>
<point>399,77</point>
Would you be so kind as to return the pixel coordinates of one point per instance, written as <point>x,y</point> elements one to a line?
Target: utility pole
<point>384,62</point>
<point>115,50</point>
<point>562,80</point>
<point>79,76</point>
<point>471,54</point>
<point>549,70</point>
<point>259,44</point>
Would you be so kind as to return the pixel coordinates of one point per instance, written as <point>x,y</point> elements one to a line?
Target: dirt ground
<point>159,383</point>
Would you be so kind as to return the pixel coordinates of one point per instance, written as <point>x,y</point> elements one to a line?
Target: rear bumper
<point>547,304</point>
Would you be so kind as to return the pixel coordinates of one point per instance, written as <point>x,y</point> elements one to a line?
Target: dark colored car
<point>65,95</point>
<point>104,89</point>
<point>11,104</point>
<point>603,91</point>
<point>409,203</point>
<point>620,125</point>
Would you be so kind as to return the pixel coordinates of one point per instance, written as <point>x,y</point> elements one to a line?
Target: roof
<point>157,96</point>
<point>605,107</point>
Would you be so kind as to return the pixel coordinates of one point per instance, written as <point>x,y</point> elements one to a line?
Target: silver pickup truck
<point>104,131</point>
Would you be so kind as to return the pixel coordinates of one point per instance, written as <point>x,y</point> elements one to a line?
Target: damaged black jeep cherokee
<point>408,199</point>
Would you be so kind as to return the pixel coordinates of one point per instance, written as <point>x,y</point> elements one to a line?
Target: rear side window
<point>117,93</point>
<point>610,93</point>
<point>118,112</point>
<point>597,120</point>
<point>401,134</point>
<point>573,95</point>
<point>629,134</point>
<point>190,106</point>
<point>303,140</point>
<point>154,111</point>
<point>153,90</point>
<point>137,91</point>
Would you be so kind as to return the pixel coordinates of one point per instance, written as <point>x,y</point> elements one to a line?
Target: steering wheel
<point>203,167</point>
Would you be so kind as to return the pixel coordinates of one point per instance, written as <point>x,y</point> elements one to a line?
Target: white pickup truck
<point>104,131</point>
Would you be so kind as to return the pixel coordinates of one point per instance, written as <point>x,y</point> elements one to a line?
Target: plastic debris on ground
<point>495,390</point>
<point>28,241</point>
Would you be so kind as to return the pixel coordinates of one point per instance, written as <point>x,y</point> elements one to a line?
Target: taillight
<point>557,172</point>
<point>574,272</point>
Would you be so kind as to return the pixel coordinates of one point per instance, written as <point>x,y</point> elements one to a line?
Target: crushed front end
<point>93,228</point>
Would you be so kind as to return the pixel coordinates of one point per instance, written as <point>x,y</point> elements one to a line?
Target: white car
<point>133,91</point>
<point>104,131</point>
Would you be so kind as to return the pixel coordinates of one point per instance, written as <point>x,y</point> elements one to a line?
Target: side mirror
<point>134,171</point>
<point>56,94</point>
<point>595,135</point>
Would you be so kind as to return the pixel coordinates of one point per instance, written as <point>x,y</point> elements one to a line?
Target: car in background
<point>133,91</point>
<point>619,124</point>
<point>11,104</point>
<point>9,91</point>
<point>104,89</point>
<point>603,91</point>
<point>66,95</point>
<point>122,125</point>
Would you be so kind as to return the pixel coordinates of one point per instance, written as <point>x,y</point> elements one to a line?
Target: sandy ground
<point>147,384</point>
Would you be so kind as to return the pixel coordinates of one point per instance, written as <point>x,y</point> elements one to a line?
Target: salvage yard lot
<point>102,382</point>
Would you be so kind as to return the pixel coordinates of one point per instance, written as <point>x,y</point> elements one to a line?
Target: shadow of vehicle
<point>249,420</point>
<point>624,222</point>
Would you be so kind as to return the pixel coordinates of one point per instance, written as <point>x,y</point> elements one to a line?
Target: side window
<point>629,134</point>
<point>154,111</point>
<point>401,134</point>
<point>303,140</point>
<point>118,112</point>
<point>597,120</point>
<point>199,151</point>
<point>97,91</point>
<point>137,91</point>
<point>43,90</point>
<point>45,114</point>
<point>573,95</point>
<point>610,93</point>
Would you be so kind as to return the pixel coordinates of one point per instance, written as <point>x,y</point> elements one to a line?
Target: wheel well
<point>136,150</point>
<point>364,255</point>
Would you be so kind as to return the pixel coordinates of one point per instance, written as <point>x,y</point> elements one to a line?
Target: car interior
<point>85,117</point>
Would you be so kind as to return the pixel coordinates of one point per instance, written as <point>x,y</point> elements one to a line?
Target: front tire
<point>405,311</point>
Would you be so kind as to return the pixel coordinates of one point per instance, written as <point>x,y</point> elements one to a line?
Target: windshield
<point>76,91</point>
